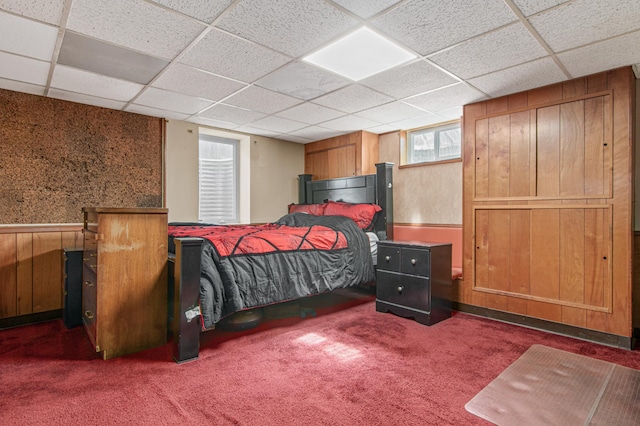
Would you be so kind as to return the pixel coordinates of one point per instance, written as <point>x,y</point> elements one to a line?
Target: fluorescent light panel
<point>360,54</point>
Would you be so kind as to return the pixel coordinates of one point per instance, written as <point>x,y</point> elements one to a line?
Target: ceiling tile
<point>262,100</point>
<point>393,111</point>
<point>427,26</point>
<point>18,86</point>
<point>205,11</point>
<point>245,128</point>
<point>451,114</point>
<point>292,138</point>
<point>446,98</point>
<point>85,99</point>
<point>293,27</point>
<point>23,69</point>
<point>606,55</point>
<point>278,124</point>
<point>26,37</point>
<point>581,22</point>
<point>529,7</point>
<point>302,81</point>
<point>75,80</point>
<point>417,77</point>
<point>383,128</point>
<point>135,24</point>
<point>213,123</point>
<point>349,123</point>
<point>353,98</point>
<point>155,112</point>
<point>231,114</point>
<point>366,8</point>
<point>49,11</point>
<point>538,73</point>
<point>89,54</point>
<point>233,57</point>
<point>190,81</point>
<point>172,101</point>
<point>419,121</point>
<point>310,113</point>
<point>315,133</point>
<point>490,52</point>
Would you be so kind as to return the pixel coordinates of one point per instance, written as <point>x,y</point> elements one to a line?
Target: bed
<point>216,271</point>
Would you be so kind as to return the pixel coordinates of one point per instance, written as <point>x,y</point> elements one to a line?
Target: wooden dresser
<point>124,291</point>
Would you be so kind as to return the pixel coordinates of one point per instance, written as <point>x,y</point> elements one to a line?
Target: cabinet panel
<point>8,275</point>
<point>565,261</point>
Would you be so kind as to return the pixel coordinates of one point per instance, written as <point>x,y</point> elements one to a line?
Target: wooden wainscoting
<point>31,269</point>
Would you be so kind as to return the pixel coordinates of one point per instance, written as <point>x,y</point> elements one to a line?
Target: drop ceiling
<point>238,65</point>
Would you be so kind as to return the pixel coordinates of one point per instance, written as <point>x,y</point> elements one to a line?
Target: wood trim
<point>430,225</point>
<point>606,309</point>
<point>42,227</point>
<point>545,104</point>
<point>430,163</point>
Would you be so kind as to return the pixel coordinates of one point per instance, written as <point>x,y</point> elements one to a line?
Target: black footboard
<point>184,293</point>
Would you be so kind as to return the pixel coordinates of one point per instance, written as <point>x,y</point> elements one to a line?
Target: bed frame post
<point>384,189</point>
<point>302,188</point>
<point>186,293</point>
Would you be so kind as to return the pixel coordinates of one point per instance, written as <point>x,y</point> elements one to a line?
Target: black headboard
<point>377,189</point>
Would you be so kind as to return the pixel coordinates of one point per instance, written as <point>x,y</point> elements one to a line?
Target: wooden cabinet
<point>547,220</point>
<point>414,280</point>
<point>354,154</point>
<point>124,291</point>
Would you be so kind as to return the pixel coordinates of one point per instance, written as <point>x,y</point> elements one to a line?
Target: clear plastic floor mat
<point>548,386</point>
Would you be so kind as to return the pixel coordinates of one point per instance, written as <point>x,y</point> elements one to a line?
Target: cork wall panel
<point>58,156</point>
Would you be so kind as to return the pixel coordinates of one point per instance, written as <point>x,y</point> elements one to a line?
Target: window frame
<point>236,177</point>
<point>439,127</point>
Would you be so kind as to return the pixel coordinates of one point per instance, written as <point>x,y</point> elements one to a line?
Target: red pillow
<point>361,214</point>
<point>314,209</point>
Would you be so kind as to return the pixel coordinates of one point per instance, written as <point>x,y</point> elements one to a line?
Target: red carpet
<point>342,367</point>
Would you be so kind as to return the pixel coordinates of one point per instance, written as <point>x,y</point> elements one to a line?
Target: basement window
<point>434,144</point>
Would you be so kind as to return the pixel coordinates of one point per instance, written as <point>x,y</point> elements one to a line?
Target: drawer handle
<point>400,288</point>
<point>413,261</point>
<point>387,258</point>
<point>88,283</point>
<point>88,314</point>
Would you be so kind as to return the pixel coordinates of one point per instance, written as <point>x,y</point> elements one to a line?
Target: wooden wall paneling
<point>545,270</point>
<point>621,81</point>
<point>519,277</point>
<point>572,155</point>
<point>548,143</point>
<point>8,276</point>
<point>575,87</point>
<point>370,152</point>
<point>572,265</point>
<point>597,82</point>
<point>481,157</point>
<point>519,155</point>
<point>25,272</point>
<point>594,140</point>
<point>517,100</point>
<point>498,257</point>
<point>597,271</point>
<point>481,257</point>
<point>545,94</point>
<point>499,156</point>
<point>47,271</point>
<point>72,239</point>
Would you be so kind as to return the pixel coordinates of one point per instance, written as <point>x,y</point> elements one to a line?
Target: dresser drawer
<point>389,258</point>
<point>89,302</point>
<point>410,291</point>
<point>414,261</point>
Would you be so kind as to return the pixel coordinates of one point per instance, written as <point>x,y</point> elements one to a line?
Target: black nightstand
<point>414,280</point>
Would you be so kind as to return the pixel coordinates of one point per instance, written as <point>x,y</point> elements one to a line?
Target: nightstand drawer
<point>389,258</point>
<point>412,292</point>
<point>414,262</point>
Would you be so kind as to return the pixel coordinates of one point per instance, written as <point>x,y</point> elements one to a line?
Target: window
<point>218,177</point>
<point>432,144</point>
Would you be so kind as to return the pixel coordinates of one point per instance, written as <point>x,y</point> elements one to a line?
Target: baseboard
<point>30,319</point>
<point>549,326</point>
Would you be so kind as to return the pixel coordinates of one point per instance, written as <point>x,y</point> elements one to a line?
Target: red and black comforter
<point>245,266</point>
